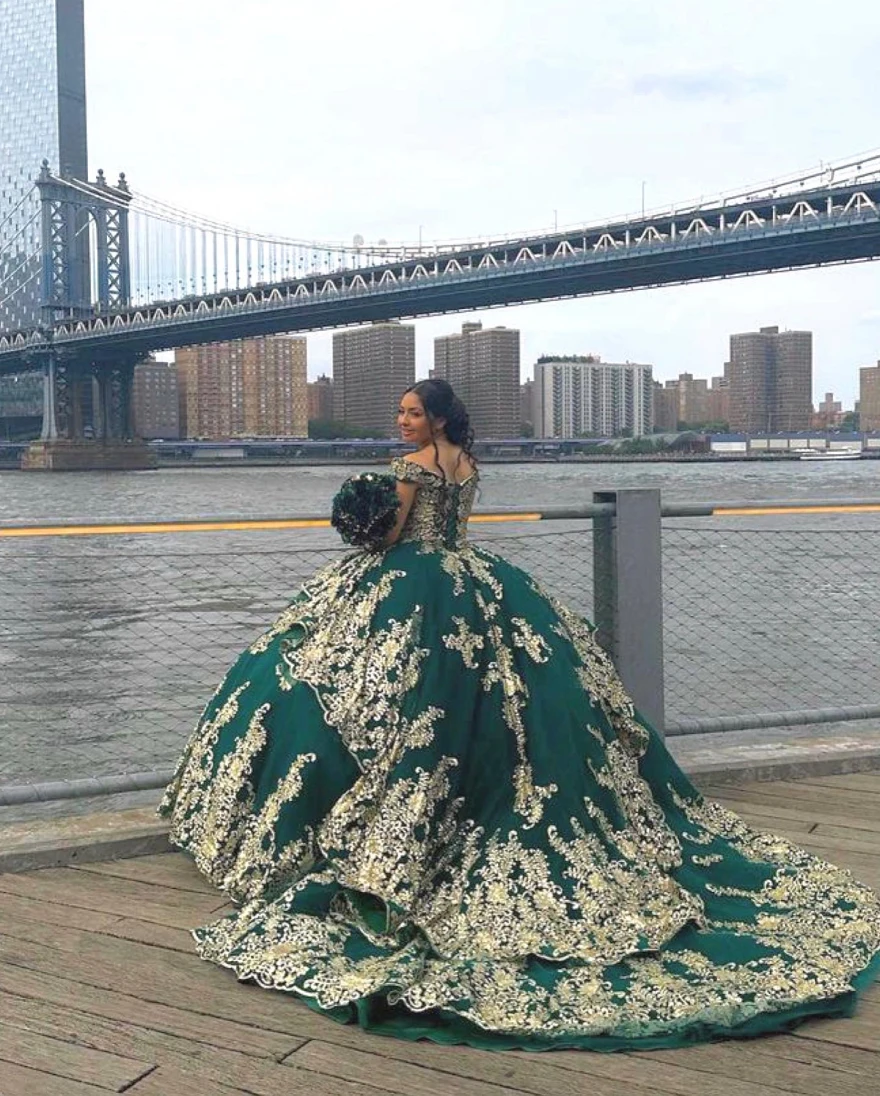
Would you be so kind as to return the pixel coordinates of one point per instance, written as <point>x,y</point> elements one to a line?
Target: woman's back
<point>450,462</point>
<point>445,497</point>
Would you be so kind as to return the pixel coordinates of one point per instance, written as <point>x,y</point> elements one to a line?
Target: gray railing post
<point>628,595</point>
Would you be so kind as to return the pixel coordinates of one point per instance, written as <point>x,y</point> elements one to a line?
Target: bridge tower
<point>63,241</point>
<point>87,420</point>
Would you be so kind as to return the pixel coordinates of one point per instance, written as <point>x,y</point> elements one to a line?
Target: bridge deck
<point>100,992</point>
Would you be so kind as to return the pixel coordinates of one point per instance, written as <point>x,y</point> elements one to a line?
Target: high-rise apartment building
<point>584,396</point>
<point>683,400</point>
<point>42,116</point>
<point>693,398</point>
<point>771,380</point>
<point>274,386</point>
<point>869,397</point>
<point>666,405</point>
<point>718,400</point>
<point>155,400</point>
<point>482,365</point>
<point>320,398</point>
<point>211,388</point>
<point>372,367</point>
<point>251,387</point>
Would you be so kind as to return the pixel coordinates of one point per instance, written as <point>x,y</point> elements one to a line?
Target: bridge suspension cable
<point>24,199</point>
<point>14,292</point>
<point>23,232</point>
<point>175,253</point>
<point>9,275</point>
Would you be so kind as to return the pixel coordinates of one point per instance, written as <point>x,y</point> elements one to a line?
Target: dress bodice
<point>441,508</point>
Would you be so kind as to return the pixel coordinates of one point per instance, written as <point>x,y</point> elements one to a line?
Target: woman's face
<point>413,422</point>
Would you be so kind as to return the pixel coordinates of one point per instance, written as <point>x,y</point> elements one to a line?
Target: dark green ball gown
<point>440,817</point>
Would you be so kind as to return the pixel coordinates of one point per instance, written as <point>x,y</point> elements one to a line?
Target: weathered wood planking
<point>101,991</point>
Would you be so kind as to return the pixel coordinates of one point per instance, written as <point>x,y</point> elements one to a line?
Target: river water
<point>109,646</point>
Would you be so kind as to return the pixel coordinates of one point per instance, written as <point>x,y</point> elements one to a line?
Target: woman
<point>442,818</point>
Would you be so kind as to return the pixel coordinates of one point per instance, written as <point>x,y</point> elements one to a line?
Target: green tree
<point>642,445</point>
<point>330,430</point>
<point>711,426</point>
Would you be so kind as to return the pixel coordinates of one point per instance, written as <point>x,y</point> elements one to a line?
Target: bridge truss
<point>147,276</point>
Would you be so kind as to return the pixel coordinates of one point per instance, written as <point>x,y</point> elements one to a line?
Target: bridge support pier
<point>50,423</point>
<point>87,419</point>
<point>88,455</point>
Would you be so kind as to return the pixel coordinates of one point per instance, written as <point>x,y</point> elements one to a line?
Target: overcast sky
<point>322,119</point>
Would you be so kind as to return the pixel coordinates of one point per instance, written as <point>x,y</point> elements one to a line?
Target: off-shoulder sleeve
<point>407,471</point>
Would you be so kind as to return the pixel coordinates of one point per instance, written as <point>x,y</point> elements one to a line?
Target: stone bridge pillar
<point>87,417</point>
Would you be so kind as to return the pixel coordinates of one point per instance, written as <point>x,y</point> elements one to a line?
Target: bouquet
<point>365,509</point>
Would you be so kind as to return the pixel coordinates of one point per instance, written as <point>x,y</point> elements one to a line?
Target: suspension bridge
<point>93,277</point>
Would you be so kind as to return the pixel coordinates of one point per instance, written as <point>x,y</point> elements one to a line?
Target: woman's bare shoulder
<point>453,462</point>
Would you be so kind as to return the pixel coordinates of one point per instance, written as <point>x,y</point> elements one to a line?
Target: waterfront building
<point>320,398</point>
<point>683,400</point>
<point>583,396</point>
<point>829,413</point>
<point>210,390</point>
<point>274,386</point>
<point>666,403</point>
<point>482,365</point>
<point>771,380</point>
<point>156,400</point>
<point>718,398</point>
<point>372,366</point>
<point>693,398</point>
<point>253,387</point>
<point>690,400</point>
<point>868,405</point>
<point>42,116</point>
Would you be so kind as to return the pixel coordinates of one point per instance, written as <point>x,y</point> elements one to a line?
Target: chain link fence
<point>770,614</point>
<point>111,645</point>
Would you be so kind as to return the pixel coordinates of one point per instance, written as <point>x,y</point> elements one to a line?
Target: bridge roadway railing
<point>720,616</point>
<point>677,248</point>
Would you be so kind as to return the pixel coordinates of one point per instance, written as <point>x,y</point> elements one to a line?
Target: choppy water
<point>110,646</point>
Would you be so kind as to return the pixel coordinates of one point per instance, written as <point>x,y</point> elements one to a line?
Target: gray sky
<point>327,118</point>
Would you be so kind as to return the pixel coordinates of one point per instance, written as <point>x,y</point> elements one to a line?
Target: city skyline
<point>616,133</point>
<point>846,387</point>
<point>845,384</point>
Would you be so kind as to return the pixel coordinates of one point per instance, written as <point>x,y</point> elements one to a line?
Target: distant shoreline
<point>575,458</point>
<point>623,458</point>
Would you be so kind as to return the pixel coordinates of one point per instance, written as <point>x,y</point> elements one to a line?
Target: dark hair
<point>440,402</point>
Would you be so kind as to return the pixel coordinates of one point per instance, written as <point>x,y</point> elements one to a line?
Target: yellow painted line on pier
<point>750,511</point>
<point>505,517</point>
<point>161,527</point>
<point>206,526</point>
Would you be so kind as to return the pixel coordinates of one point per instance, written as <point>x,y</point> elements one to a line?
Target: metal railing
<point>113,636</point>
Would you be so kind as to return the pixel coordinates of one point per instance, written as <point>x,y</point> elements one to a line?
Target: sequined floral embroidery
<point>425,783</point>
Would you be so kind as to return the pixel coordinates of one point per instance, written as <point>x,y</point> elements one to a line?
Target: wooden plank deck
<point>100,991</point>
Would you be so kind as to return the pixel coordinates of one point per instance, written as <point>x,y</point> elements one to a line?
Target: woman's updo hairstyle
<point>440,402</point>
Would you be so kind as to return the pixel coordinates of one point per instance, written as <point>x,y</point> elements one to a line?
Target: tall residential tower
<point>771,380</point>
<point>250,387</point>
<point>371,368</point>
<point>482,365</point>
<point>582,396</point>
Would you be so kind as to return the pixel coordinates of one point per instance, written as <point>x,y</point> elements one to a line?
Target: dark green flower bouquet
<point>365,509</point>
